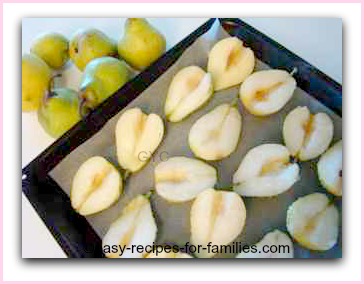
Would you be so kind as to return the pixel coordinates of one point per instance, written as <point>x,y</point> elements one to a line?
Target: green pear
<point>89,44</point>
<point>52,48</point>
<point>36,76</point>
<point>141,44</point>
<point>102,78</point>
<point>59,111</point>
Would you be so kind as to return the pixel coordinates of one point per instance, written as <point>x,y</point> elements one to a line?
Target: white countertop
<point>317,40</point>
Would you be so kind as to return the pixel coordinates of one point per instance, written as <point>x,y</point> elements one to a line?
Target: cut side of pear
<point>169,255</point>
<point>96,186</point>
<point>306,135</point>
<point>138,135</point>
<point>215,135</point>
<point>217,217</point>
<point>230,63</point>
<point>266,92</point>
<point>135,227</point>
<point>190,88</point>
<point>329,169</point>
<point>181,179</point>
<point>279,244</point>
<point>313,222</point>
<point>265,171</point>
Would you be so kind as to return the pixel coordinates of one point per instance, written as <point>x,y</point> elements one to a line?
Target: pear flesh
<point>52,48</point>
<point>190,89</point>
<point>275,239</point>
<point>96,186</point>
<point>266,92</point>
<point>181,179</point>
<point>329,169</point>
<point>265,171</point>
<point>217,217</point>
<point>306,135</point>
<point>138,135</point>
<point>89,44</point>
<point>230,63</point>
<point>141,44</point>
<point>135,227</point>
<point>36,77</point>
<point>215,135</point>
<point>313,221</point>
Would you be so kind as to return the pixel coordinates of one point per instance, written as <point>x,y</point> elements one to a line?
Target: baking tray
<point>76,235</point>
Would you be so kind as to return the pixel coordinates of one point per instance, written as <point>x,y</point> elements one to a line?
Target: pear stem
<point>149,194</point>
<point>294,71</point>
<point>49,93</point>
<point>235,101</point>
<point>228,188</point>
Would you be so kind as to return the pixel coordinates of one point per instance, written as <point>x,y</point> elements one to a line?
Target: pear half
<point>215,135</point>
<point>180,179</point>
<point>217,217</point>
<point>275,240</point>
<point>306,135</point>
<point>265,171</point>
<point>96,186</point>
<point>313,221</point>
<point>138,135</point>
<point>135,227</point>
<point>230,63</point>
<point>329,169</point>
<point>190,88</point>
<point>266,92</point>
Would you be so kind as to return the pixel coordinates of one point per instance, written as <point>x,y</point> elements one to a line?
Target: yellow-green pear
<point>102,78</point>
<point>89,44</point>
<point>52,48</point>
<point>141,44</point>
<point>36,76</point>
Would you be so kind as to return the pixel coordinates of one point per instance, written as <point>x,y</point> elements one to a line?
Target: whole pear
<point>52,48</point>
<point>36,76</point>
<point>89,44</point>
<point>59,111</point>
<point>102,78</point>
<point>141,44</point>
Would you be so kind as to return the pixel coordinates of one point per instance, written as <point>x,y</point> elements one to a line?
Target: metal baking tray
<point>46,179</point>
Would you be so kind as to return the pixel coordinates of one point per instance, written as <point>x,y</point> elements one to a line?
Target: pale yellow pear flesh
<point>217,217</point>
<point>181,179</point>
<point>313,221</point>
<point>265,171</point>
<point>215,135</point>
<point>266,92</point>
<point>275,240</point>
<point>135,227</point>
<point>141,44</point>
<point>52,48</point>
<point>189,90</point>
<point>169,255</point>
<point>138,135</point>
<point>96,186</point>
<point>329,169</point>
<point>230,63</point>
<point>306,135</point>
<point>36,76</point>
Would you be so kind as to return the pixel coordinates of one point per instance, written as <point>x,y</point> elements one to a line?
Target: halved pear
<point>168,255</point>
<point>306,135</point>
<point>275,240</point>
<point>329,169</point>
<point>96,186</point>
<point>265,171</point>
<point>180,179</point>
<point>190,88</point>
<point>266,92</point>
<point>217,217</point>
<point>215,135</point>
<point>313,221</point>
<point>230,63</point>
<point>135,227</point>
<point>138,135</point>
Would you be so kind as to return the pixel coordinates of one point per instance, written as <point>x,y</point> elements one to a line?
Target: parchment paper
<point>263,214</point>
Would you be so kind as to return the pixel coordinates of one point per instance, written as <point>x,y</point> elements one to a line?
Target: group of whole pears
<point>218,216</point>
<point>106,67</point>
